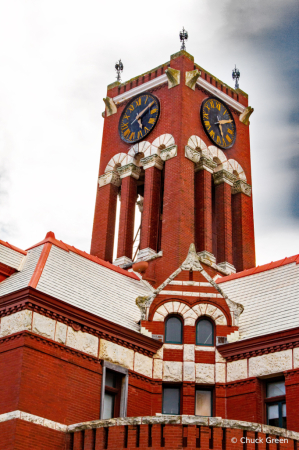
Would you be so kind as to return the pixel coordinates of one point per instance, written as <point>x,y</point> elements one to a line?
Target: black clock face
<point>139,118</point>
<point>218,123</point>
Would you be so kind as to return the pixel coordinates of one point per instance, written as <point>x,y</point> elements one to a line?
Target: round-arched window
<point>204,332</point>
<point>173,330</point>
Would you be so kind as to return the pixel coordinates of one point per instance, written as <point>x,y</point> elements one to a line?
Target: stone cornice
<point>226,98</point>
<point>129,170</point>
<point>261,345</point>
<point>141,88</point>
<point>33,300</point>
<point>241,186</point>
<point>110,177</point>
<point>205,164</point>
<point>168,153</point>
<point>152,161</point>
<point>223,176</point>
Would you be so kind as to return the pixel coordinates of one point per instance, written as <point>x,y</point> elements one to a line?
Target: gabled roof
<point>81,280</point>
<point>270,295</point>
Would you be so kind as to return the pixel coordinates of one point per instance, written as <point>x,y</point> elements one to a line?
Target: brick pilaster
<point>223,210</point>
<point>203,211</point>
<point>151,209</point>
<point>104,222</point>
<point>127,217</point>
<point>243,228</point>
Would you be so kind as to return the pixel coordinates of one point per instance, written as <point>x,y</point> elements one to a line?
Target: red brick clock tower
<point>177,138</point>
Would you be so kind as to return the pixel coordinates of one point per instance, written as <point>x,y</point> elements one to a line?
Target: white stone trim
<point>191,294</point>
<point>33,419</point>
<point>122,261</point>
<point>226,98</point>
<point>111,177</point>
<point>142,88</point>
<point>114,161</point>
<point>190,315</point>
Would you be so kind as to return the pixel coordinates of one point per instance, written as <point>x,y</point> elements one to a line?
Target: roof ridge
<point>51,239</point>
<point>259,269</point>
<point>12,247</point>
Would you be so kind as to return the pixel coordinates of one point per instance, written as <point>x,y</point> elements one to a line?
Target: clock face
<point>218,123</point>
<point>139,118</point>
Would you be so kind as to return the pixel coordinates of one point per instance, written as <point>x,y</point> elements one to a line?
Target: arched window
<point>204,332</point>
<point>173,330</point>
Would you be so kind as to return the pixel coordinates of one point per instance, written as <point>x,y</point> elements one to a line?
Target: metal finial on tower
<point>119,67</point>
<point>183,38</point>
<point>236,76</point>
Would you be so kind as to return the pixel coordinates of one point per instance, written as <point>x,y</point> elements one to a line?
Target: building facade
<point>179,341</point>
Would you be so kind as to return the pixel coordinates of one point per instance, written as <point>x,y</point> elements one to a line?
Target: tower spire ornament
<point>119,67</point>
<point>183,38</point>
<point>236,76</point>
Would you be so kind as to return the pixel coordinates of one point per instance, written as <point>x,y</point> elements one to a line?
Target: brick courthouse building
<point>191,346</point>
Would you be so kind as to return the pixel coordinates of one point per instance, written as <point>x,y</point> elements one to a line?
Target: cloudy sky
<point>56,59</point>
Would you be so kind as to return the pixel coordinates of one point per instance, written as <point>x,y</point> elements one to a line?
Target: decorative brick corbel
<point>152,161</point>
<point>244,117</point>
<point>173,76</point>
<point>241,186</point>
<point>191,78</point>
<point>129,170</point>
<point>168,153</point>
<point>110,177</point>
<point>110,106</point>
<point>223,176</point>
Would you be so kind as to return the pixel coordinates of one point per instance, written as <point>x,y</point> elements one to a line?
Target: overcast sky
<point>56,59</point>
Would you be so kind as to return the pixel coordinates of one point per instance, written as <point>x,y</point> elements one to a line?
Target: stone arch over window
<point>205,331</point>
<point>160,143</point>
<point>190,315</point>
<point>115,162</point>
<point>219,158</point>
<point>197,144</point>
<point>236,169</point>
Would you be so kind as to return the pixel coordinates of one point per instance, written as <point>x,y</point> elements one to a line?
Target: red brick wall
<point>224,223</point>
<point>292,399</point>
<point>244,400</point>
<point>203,211</point>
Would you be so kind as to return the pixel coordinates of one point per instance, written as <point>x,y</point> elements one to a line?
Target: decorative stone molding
<point>129,170</point>
<point>244,117</point>
<point>227,267</point>
<point>32,418</point>
<point>220,94</point>
<point>168,153</point>
<point>192,154</point>
<point>111,177</point>
<point>140,88</point>
<point>162,142</point>
<point>122,261</point>
<point>173,76</point>
<point>205,164</point>
<point>147,254</point>
<point>204,255</point>
<point>192,260</point>
<point>110,106</point>
<point>223,176</point>
<point>152,161</point>
<point>241,186</point>
<point>191,78</point>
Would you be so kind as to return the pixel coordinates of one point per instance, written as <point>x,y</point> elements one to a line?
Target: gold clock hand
<point>142,112</point>
<point>140,123</point>
<point>222,122</point>
<point>221,129</point>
